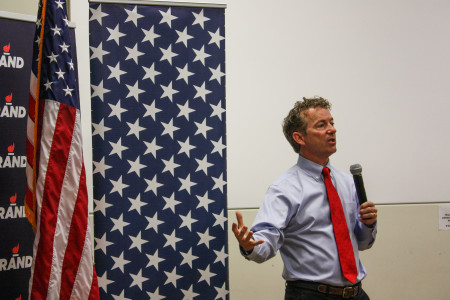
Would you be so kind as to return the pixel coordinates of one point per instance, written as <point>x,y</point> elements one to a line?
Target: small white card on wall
<point>444,217</point>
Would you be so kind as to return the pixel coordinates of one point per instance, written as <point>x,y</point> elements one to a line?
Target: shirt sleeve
<point>270,222</point>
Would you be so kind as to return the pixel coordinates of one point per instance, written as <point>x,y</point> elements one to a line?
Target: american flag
<point>56,198</point>
<point>159,149</point>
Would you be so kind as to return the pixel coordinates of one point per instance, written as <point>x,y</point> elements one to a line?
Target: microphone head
<point>356,169</point>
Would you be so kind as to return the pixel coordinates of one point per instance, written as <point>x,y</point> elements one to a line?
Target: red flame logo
<point>6,48</point>
<point>19,298</point>
<point>15,250</point>
<point>11,148</point>
<point>8,98</point>
<point>13,199</point>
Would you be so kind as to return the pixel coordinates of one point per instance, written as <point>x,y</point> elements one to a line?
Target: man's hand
<point>368,213</point>
<point>243,235</point>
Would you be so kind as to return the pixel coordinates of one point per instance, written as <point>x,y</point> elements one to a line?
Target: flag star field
<point>159,151</point>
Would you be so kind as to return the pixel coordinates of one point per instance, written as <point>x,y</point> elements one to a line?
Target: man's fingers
<point>239,219</point>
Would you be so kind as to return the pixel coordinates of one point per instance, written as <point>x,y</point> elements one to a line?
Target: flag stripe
<point>54,175</point>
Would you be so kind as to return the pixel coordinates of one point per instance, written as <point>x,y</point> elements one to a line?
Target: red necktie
<point>344,245</point>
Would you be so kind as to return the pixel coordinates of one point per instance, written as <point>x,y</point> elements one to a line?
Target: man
<point>317,231</point>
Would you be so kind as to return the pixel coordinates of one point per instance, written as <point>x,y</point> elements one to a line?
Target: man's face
<point>319,142</point>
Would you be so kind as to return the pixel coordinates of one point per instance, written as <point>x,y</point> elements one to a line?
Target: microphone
<point>356,171</point>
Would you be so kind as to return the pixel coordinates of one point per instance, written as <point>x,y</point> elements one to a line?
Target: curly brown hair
<point>296,119</point>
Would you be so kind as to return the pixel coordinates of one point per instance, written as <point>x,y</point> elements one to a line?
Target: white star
<point>218,146</point>
<point>99,90</point>
<point>136,166</point>
<point>186,184</point>
<point>187,221</point>
<point>121,296</point>
<point>115,34</point>
<point>185,147</point>
<point>97,14</point>
<point>137,242</point>
<point>53,58</point>
<point>153,185</point>
<point>135,128</point>
<point>168,54</point>
<point>64,47</point>
<point>167,17</point>
<point>100,167</point>
<point>150,35</point>
<point>134,91</point>
<point>119,262</point>
<point>102,243</point>
<point>172,277</point>
<point>206,275</point>
<point>219,182</point>
<point>48,85</point>
<point>216,74</point>
<point>60,4</point>
<point>188,258</point>
<point>133,15</point>
<point>217,110</point>
<point>185,110</point>
<point>150,73</point>
<point>204,201</point>
<point>221,256</point>
<point>138,279</point>
<point>201,91</point>
<point>221,292</point>
<point>116,72</point>
<point>133,53</point>
<point>171,240</point>
<point>189,294</point>
<point>136,204</point>
<point>98,52</point>
<point>71,65</point>
<point>200,19</point>
<point>156,295</point>
<point>205,238</point>
<point>183,36</point>
<point>169,128</point>
<point>153,222</point>
<point>216,37</point>
<point>220,220</point>
<point>101,205</point>
<point>119,224</point>
<point>170,165</point>
<point>103,281</point>
<point>201,55</point>
<point>68,91</point>
<point>168,91</point>
<point>151,110</point>
<point>154,260</point>
<point>118,186</point>
<point>202,128</point>
<point>152,147</point>
<point>56,30</point>
<point>171,202</point>
<point>117,148</point>
<point>60,74</point>
<point>203,165</point>
<point>184,73</point>
<point>116,110</point>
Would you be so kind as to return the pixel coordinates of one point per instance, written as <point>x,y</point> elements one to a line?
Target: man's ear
<point>298,138</point>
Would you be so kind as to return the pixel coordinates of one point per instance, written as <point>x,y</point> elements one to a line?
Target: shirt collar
<point>311,168</point>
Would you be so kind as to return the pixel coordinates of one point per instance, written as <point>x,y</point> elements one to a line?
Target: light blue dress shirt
<point>295,219</point>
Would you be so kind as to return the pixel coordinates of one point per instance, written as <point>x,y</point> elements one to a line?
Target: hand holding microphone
<point>368,211</point>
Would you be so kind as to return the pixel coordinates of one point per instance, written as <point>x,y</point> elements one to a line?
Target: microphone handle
<point>360,190</point>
